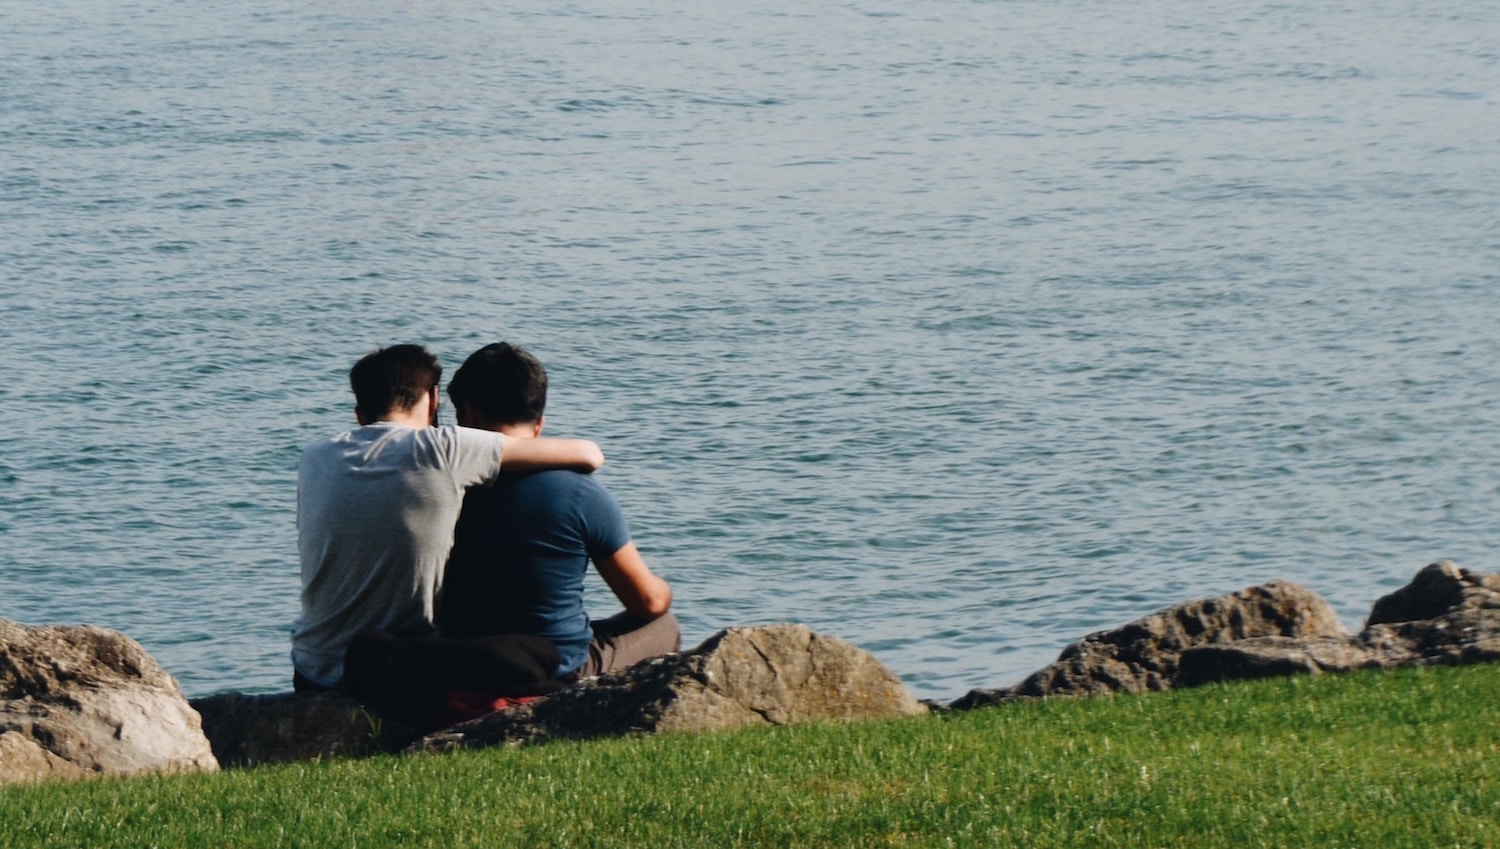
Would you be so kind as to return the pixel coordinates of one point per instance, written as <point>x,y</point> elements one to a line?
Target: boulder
<point>767,675</point>
<point>1437,590</point>
<point>78,701</point>
<point>249,730</point>
<point>1267,657</point>
<point>1144,655</point>
<point>24,759</point>
<point>1464,635</point>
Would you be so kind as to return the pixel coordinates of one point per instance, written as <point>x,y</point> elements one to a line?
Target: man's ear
<point>359,416</point>
<point>540,423</point>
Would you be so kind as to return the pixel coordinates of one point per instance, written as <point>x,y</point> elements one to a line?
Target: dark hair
<point>503,382</point>
<point>393,378</point>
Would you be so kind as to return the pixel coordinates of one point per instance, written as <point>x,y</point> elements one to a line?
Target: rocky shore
<point>83,701</point>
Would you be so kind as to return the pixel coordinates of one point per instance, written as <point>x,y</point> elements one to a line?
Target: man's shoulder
<point>358,439</point>
<point>392,444</point>
<point>542,497</point>
<point>439,440</point>
<point>469,434</point>
<point>456,436</point>
<point>556,492</point>
<point>558,481</point>
<point>326,446</point>
<point>364,433</point>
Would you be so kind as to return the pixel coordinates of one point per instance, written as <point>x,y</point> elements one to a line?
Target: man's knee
<point>624,640</point>
<point>670,630</point>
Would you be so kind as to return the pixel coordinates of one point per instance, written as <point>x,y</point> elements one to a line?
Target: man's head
<point>499,386</point>
<point>393,380</point>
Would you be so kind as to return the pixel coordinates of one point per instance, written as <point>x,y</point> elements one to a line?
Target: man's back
<point>375,514</point>
<point>521,550</point>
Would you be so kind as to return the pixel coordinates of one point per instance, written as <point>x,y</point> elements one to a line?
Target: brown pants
<point>623,640</point>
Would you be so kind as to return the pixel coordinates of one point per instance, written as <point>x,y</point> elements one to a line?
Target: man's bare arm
<point>643,594</point>
<point>545,452</point>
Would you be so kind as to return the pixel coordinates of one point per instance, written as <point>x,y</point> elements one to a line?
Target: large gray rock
<point>1144,655</point>
<point>767,675</point>
<point>24,759</point>
<point>80,701</point>
<point>249,730</point>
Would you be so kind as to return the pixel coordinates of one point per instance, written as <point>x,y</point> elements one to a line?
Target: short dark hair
<point>393,378</point>
<point>503,382</point>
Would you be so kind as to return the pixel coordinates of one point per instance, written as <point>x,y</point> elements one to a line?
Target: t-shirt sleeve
<point>476,455</point>
<point>604,528</point>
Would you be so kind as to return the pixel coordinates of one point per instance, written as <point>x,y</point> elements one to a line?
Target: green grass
<point>1388,759</point>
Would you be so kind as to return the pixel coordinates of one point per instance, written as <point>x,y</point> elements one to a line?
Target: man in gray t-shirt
<point>376,507</point>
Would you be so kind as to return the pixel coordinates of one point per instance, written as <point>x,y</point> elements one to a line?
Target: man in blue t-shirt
<point>522,546</point>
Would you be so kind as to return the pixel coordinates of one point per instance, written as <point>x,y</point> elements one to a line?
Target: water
<point>956,329</point>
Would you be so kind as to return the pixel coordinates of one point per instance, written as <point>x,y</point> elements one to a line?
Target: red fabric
<point>463,705</point>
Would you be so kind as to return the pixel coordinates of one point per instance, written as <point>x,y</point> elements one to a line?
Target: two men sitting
<point>442,560</point>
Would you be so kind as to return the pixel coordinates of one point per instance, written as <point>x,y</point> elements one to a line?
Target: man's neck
<point>410,418</point>
<point>418,415</point>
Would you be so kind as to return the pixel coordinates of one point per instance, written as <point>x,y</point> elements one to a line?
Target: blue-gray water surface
<point>958,329</point>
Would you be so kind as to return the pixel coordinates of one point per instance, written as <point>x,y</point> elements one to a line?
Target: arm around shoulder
<point>643,594</point>
<point>545,452</point>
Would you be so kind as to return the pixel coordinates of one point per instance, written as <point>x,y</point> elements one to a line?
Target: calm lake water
<point>956,329</point>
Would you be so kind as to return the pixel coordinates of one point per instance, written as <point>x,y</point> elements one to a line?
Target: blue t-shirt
<point>520,552</point>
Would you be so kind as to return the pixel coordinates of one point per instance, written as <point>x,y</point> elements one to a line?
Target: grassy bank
<point>1392,759</point>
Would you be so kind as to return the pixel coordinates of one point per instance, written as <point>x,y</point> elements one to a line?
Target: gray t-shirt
<point>376,508</point>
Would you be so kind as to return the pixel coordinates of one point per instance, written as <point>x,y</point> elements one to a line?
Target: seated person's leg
<point>624,640</point>
<point>410,675</point>
<point>303,684</point>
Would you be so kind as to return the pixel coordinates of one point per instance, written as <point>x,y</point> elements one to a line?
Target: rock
<point>1465,635</point>
<point>1446,615</point>
<point>1144,654</point>
<point>767,675</point>
<point>1267,657</point>
<point>78,701</point>
<point>24,759</point>
<point>1437,590</point>
<point>248,730</point>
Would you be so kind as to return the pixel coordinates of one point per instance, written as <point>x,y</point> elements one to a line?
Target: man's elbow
<point>585,456</point>
<point>594,457</point>
<point>661,605</point>
<point>655,603</point>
